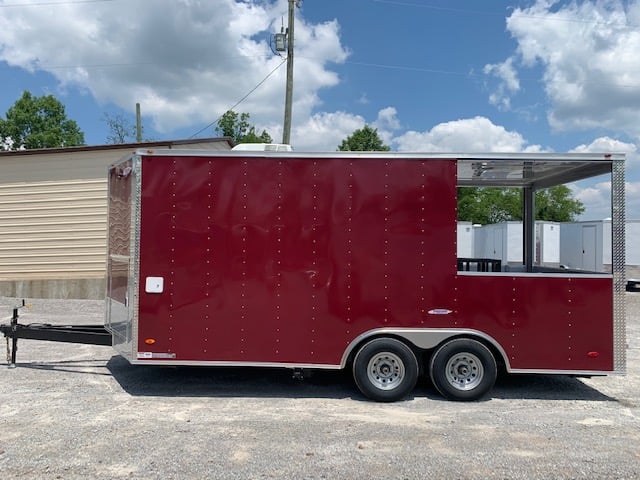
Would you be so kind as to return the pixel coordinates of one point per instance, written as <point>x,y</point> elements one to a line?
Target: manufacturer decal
<point>147,355</point>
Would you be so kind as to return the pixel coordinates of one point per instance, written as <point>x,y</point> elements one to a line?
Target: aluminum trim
<point>598,373</point>
<point>134,265</point>
<point>618,265</point>
<point>107,309</point>
<point>218,363</point>
<point>323,366</point>
<point>515,156</point>
<point>538,275</point>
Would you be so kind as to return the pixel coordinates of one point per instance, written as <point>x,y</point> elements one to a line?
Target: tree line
<point>41,122</point>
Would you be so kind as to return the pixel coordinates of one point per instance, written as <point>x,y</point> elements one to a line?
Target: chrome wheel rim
<point>464,371</point>
<point>385,371</point>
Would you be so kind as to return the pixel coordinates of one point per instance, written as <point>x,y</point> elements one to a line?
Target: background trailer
<point>593,241</point>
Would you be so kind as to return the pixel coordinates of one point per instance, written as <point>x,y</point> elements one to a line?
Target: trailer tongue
<point>86,334</point>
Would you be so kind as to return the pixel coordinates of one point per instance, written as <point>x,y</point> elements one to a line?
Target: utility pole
<point>138,124</point>
<point>286,133</point>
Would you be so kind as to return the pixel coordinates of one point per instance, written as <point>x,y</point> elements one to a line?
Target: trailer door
<point>589,252</point>
<point>120,296</point>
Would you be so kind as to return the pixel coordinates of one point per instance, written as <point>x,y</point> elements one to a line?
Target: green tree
<point>239,129</point>
<point>365,139</point>
<point>38,122</point>
<point>556,204</point>
<point>493,205</point>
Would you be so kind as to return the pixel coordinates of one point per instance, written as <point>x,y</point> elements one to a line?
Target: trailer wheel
<point>463,369</point>
<point>385,370</point>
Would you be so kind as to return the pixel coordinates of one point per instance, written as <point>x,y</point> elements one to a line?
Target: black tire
<point>385,370</point>
<point>463,369</point>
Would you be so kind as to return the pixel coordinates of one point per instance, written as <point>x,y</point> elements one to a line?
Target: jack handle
<point>12,348</point>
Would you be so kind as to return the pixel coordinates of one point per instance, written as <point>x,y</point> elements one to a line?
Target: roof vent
<point>263,147</point>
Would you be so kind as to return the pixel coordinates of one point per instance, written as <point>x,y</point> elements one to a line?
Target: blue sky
<point>431,75</point>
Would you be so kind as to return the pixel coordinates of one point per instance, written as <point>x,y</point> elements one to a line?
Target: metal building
<point>53,206</point>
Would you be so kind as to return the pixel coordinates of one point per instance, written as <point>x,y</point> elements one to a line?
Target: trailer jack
<point>86,334</point>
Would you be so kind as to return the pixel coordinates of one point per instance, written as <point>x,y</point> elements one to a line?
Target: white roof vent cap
<point>263,147</point>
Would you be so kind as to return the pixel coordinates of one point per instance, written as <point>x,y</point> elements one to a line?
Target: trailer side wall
<point>288,260</point>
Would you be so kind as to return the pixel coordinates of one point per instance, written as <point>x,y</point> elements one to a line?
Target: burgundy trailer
<point>348,260</point>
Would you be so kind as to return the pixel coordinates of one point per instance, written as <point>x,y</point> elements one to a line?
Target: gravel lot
<point>79,411</point>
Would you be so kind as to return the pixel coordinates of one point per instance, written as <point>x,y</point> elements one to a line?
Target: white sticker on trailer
<point>154,285</point>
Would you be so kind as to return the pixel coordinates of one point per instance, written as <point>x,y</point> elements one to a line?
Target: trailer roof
<point>537,170</point>
<point>537,173</point>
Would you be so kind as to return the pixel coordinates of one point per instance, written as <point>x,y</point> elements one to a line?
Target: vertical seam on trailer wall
<point>209,252</point>
<point>618,265</point>
<point>244,255</point>
<point>422,261</point>
<point>350,208</point>
<point>385,243</point>
<point>455,219</point>
<point>314,254</point>
<point>278,228</point>
<point>570,324</point>
<point>172,260</point>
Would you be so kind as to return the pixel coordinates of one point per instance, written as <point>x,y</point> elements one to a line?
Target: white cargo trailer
<point>465,240</point>
<point>500,241</point>
<point>547,244</point>
<point>594,238</point>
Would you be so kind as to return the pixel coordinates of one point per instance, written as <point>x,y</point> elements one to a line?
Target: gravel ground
<point>79,411</point>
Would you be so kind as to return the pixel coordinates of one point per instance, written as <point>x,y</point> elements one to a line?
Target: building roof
<point>188,143</point>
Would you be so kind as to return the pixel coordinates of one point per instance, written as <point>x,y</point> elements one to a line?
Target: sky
<point>430,75</point>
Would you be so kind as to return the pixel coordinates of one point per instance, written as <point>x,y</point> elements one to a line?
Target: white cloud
<point>596,196</point>
<point>325,131</point>
<point>610,145</point>
<point>186,62</point>
<point>632,190</point>
<point>596,199</point>
<point>508,85</point>
<point>477,134</point>
<point>606,145</point>
<point>387,123</point>
<point>387,119</point>
<point>588,53</point>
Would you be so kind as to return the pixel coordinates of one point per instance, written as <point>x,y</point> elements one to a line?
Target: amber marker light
<point>150,341</point>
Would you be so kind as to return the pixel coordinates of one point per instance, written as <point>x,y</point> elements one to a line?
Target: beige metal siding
<point>53,216</point>
<point>53,230</point>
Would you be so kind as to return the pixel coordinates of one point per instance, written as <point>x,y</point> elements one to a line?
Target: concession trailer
<point>348,260</point>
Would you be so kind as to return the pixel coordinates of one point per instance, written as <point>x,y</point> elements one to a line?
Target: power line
<point>435,7</point>
<point>43,4</point>
<point>410,68</point>
<point>552,15</point>
<point>242,99</point>
<point>466,74</point>
<point>41,66</point>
